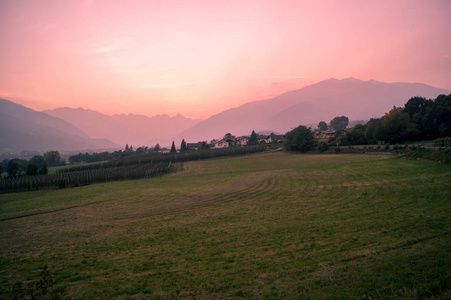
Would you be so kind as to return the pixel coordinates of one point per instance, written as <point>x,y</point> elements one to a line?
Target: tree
<point>323,126</point>
<point>183,147</point>
<point>140,150</point>
<point>339,123</point>
<point>253,139</point>
<point>43,170</point>
<point>228,136</point>
<point>38,160</point>
<point>173,150</point>
<point>323,146</point>
<point>14,168</point>
<point>356,136</point>
<point>396,126</point>
<point>32,169</point>
<point>157,148</point>
<point>53,158</point>
<point>300,139</point>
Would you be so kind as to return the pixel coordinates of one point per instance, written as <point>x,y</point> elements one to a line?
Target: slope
<point>22,128</point>
<point>322,101</point>
<point>124,129</point>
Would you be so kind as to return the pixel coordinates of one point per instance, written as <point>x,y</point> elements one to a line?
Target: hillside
<point>22,128</point>
<point>266,226</point>
<point>351,97</point>
<point>136,130</point>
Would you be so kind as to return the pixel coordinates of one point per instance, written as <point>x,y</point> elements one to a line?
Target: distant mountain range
<point>22,128</point>
<point>323,101</point>
<point>136,130</point>
<point>78,129</point>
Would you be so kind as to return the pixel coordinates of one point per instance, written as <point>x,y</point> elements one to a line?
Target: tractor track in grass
<point>51,211</point>
<point>189,204</point>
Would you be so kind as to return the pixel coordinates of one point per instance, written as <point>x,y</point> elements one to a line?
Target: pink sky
<point>198,58</point>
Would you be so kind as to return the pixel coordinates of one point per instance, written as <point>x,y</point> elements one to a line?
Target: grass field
<point>273,225</point>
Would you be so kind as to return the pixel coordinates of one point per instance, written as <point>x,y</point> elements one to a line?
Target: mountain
<point>322,101</point>
<point>123,129</point>
<point>22,128</point>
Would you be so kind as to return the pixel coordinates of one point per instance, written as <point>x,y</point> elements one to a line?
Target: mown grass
<point>275,225</point>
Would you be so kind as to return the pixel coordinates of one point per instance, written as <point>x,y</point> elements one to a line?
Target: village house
<point>219,144</point>
<point>325,135</point>
<point>275,138</point>
<point>242,141</point>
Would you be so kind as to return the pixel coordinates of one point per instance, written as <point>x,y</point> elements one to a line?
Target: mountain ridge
<point>321,101</point>
<point>125,129</point>
<point>22,128</point>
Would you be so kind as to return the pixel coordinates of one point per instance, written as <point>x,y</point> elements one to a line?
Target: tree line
<point>419,119</point>
<point>37,165</point>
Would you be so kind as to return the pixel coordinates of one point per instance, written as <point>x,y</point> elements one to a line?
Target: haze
<point>198,58</point>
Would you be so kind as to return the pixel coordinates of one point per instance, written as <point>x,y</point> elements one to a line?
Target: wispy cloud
<point>113,45</point>
<point>283,76</point>
<point>166,85</point>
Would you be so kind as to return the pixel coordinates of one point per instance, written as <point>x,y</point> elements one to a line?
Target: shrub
<point>322,146</point>
<point>300,139</point>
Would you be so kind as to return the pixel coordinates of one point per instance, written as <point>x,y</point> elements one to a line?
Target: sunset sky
<point>198,58</point>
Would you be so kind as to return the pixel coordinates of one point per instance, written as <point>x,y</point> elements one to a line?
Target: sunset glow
<point>198,58</point>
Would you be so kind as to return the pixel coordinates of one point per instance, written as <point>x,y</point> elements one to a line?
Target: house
<point>324,135</point>
<point>220,144</point>
<point>242,141</point>
<point>196,146</point>
<point>261,138</point>
<point>275,138</point>
<point>231,142</point>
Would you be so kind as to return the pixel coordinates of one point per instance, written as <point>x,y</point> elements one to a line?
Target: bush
<point>62,183</point>
<point>300,139</point>
<point>322,146</point>
<point>443,142</point>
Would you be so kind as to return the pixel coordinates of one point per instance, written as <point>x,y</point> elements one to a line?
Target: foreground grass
<point>263,226</point>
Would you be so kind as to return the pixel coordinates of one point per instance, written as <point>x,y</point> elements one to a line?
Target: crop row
<point>84,177</point>
<point>166,157</point>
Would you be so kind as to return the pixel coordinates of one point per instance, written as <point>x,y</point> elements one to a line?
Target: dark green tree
<point>339,123</point>
<point>356,136</point>
<point>396,126</point>
<point>140,150</point>
<point>253,139</point>
<point>32,169</point>
<point>323,126</point>
<point>38,160</point>
<point>229,136</point>
<point>322,146</point>
<point>300,139</point>
<point>173,150</point>
<point>14,168</point>
<point>183,147</point>
<point>157,148</point>
<point>53,158</point>
<point>370,130</point>
<point>44,170</point>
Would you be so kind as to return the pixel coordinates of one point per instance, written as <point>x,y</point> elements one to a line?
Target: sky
<point>198,58</point>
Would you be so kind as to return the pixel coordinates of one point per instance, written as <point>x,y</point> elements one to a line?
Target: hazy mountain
<point>136,130</point>
<point>22,128</point>
<point>323,101</point>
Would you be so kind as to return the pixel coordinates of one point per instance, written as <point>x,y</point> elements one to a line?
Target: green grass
<point>273,225</point>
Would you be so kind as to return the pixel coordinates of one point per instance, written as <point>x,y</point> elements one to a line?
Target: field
<point>271,225</point>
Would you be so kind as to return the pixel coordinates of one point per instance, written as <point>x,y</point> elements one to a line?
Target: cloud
<point>113,45</point>
<point>282,76</point>
<point>446,56</point>
<point>166,85</point>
